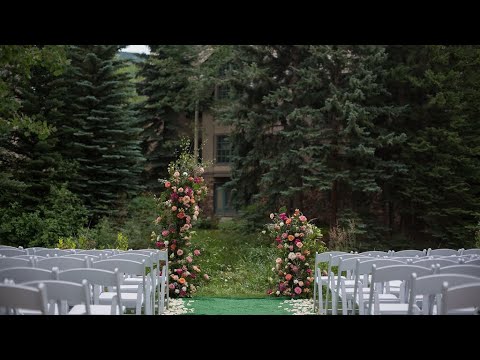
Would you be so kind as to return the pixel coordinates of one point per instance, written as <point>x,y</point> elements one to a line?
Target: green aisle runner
<point>239,306</point>
<point>229,306</point>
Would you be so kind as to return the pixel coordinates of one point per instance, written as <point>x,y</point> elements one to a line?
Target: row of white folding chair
<point>434,268</point>
<point>429,288</point>
<point>161,276</point>
<point>131,300</point>
<point>332,278</point>
<point>333,258</point>
<point>355,290</point>
<point>324,257</point>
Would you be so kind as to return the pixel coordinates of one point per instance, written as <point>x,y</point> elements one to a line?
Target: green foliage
<point>61,215</point>
<point>122,242</point>
<point>210,223</point>
<point>66,243</point>
<point>139,222</point>
<point>238,265</point>
<point>439,199</point>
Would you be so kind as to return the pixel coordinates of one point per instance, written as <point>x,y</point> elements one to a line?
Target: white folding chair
<point>361,290</point>
<point>333,278</point>
<point>430,262</point>
<point>130,300</point>
<point>460,298</point>
<point>62,263</point>
<point>409,253</point>
<point>70,292</point>
<point>24,274</point>
<point>345,286</point>
<point>8,252</point>
<point>52,252</point>
<point>471,252</point>
<point>443,252</point>
<point>8,262</point>
<point>473,262</point>
<point>14,297</point>
<point>460,269</point>
<point>96,277</point>
<point>131,283</point>
<point>380,276</point>
<point>429,288</point>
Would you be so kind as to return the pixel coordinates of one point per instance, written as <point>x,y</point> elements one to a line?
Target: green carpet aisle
<point>239,306</point>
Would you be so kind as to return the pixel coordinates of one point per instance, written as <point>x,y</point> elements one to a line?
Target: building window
<point>223,200</point>
<point>224,149</point>
<point>223,92</point>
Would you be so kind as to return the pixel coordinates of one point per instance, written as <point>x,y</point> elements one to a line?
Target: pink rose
<point>291,247</point>
<point>178,271</point>
<point>309,271</point>
<point>278,261</point>
<point>196,252</point>
<point>302,219</point>
<point>165,233</point>
<point>284,235</point>
<point>298,290</point>
<point>168,184</point>
<point>300,283</point>
<point>206,276</point>
<point>189,259</point>
<point>174,208</point>
<point>171,286</point>
<point>179,252</point>
<point>180,189</point>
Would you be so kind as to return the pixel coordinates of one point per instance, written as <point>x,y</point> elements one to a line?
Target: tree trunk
<point>334,200</point>
<point>195,133</point>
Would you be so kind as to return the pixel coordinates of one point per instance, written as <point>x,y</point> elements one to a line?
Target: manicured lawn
<point>238,264</point>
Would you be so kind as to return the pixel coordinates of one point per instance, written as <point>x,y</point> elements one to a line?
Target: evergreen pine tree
<point>99,129</point>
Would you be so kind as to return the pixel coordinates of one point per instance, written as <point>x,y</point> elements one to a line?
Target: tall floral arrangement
<point>178,211</point>
<point>296,240</point>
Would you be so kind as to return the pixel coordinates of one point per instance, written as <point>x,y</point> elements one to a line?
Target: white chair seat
<point>132,281</point>
<point>95,310</point>
<point>393,309</point>
<point>127,289</point>
<point>128,299</point>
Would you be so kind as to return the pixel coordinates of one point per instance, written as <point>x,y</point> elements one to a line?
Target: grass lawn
<point>238,264</point>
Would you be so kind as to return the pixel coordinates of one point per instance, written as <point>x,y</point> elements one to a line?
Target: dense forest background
<point>382,142</point>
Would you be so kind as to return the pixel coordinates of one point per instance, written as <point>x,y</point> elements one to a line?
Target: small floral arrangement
<point>178,211</point>
<point>296,241</point>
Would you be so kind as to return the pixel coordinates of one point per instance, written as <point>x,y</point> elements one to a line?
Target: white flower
<point>292,256</point>
<point>273,269</point>
<point>184,174</point>
<point>295,281</point>
<point>306,264</point>
<point>166,242</point>
<point>272,216</point>
<point>282,223</point>
<point>194,217</point>
<point>184,288</point>
<point>264,232</point>
<point>177,291</point>
<point>278,292</point>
